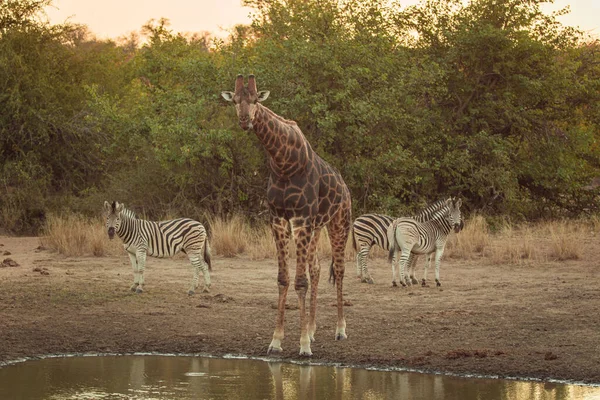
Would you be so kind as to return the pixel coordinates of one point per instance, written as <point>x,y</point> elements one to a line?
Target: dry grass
<point>229,237</point>
<point>73,235</point>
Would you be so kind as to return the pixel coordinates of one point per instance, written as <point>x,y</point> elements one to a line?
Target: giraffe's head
<point>454,215</point>
<point>245,99</point>
<point>112,212</point>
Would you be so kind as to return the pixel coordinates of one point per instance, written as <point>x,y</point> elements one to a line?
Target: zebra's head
<point>113,217</point>
<point>245,100</point>
<point>454,215</point>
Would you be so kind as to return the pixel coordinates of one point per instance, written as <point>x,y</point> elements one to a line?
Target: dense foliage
<point>491,100</point>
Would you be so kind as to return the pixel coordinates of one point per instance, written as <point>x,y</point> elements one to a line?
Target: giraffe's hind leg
<point>314,270</point>
<point>338,229</point>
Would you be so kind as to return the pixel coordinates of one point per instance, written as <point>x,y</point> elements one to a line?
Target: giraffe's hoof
<point>341,336</point>
<point>139,290</point>
<point>305,353</point>
<point>274,350</point>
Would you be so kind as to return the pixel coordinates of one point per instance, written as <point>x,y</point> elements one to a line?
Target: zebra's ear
<point>107,206</point>
<point>118,207</point>
<point>458,203</point>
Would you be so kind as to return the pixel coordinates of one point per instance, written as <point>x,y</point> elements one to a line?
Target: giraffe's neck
<point>288,149</point>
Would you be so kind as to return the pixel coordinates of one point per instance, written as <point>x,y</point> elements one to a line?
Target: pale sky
<point>115,18</point>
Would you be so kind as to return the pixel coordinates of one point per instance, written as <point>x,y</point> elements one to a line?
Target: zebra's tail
<point>393,244</point>
<point>207,254</point>
<point>331,274</point>
<point>353,238</point>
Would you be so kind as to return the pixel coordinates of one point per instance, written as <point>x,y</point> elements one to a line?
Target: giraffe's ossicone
<point>304,195</point>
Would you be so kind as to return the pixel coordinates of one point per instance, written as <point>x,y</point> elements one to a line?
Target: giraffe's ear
<point>263,94</point>
<point>227,95</point>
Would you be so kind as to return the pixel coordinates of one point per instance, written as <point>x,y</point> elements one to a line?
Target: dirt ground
<point>538,321</point>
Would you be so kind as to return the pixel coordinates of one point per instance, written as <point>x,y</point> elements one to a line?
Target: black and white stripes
<point>159,239</point>
<point>371,229</point>
<point>413,237</point>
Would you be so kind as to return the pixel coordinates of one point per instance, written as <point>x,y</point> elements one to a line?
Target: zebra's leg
<point>198,264</point>
<point>427,265</point>
<point>394,262</point>
<point>413,263</point>
<point>136,275</point>
<point>141,263</point>
<point>281,233</point>
<point>438,259</point>
<point>314,270</point>
<point>404,257</point>
<point>361,260</point>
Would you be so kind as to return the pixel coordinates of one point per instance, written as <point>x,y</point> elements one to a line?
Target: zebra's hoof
<point>394,284</point>
<point>340,336</point>
<point>139,290</point>
<point>191,292</point>
<point>423,283</point>
<point>274,350</point>
<point>413,280</point>
<point>438,283</point>
<point>370,281</point>
<point>205,289</point>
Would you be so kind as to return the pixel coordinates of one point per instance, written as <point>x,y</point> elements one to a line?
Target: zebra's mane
<point>124,211</point>
<point>431,209</point>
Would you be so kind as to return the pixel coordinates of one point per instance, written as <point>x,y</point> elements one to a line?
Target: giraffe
<point>304,195</point>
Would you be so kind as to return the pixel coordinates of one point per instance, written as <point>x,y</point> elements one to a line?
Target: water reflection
<point>183,377</point>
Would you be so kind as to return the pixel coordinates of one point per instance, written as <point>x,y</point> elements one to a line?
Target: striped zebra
<point>159,239</point>
<point>412,237</point>
<point>371,229</point>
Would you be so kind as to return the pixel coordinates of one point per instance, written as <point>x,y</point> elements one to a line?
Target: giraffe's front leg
<point>314,269</point>
<point>141,262</point>
<point>302,236</point>
<point>136,275</point>
<point>279,226</point>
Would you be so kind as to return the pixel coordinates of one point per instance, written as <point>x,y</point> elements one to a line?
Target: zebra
<point>413,237</point>
<point>371,229</point>
<point>159,239</point>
